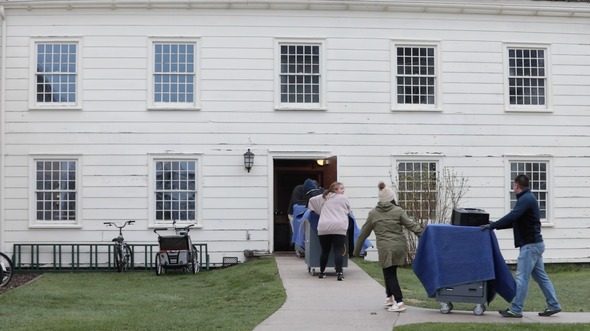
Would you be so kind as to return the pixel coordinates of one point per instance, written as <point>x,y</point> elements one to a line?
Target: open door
<point>330,171</point>
<point>289,173</point>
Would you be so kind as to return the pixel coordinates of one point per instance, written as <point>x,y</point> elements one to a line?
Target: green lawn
<point>235,298</point>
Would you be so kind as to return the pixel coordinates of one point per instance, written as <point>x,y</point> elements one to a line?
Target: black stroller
<point>176,251</point>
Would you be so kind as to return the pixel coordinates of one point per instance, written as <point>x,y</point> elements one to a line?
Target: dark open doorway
<point>289,173</point>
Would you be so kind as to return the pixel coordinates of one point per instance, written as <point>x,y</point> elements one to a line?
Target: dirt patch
<point>20,280</point>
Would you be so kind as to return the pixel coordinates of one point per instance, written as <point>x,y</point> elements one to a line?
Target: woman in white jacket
<point>333,208</point>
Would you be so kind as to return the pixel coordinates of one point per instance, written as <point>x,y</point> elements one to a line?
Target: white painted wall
<point>115,134</point>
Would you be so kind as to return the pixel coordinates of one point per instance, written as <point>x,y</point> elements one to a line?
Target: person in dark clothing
<point>301,195</point>
<point>297,198</point>
<point>524,219</point>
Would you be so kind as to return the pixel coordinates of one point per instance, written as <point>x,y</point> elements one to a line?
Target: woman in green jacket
<point>388,220</point>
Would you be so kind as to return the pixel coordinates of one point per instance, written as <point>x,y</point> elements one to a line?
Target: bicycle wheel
<point>6,270</point>
<point>126,258</point>
<point>119,258</point>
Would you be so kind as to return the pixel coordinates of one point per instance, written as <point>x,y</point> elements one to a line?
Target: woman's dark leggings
<point>334,242</point>
<point>392,284</point>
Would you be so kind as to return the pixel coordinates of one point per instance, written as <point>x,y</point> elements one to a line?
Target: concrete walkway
<point>357,304</point>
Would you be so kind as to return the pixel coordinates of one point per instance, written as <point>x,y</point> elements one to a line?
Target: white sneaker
<point>398,307</point>
<point>388,302</point>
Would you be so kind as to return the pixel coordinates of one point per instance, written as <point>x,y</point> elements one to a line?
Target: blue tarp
<point>301,214</point>
<point>450,255</point>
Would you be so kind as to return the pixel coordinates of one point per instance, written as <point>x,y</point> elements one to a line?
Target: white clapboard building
<point>116,110</point>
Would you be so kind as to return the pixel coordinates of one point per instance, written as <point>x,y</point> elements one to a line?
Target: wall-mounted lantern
<point>248,160</point>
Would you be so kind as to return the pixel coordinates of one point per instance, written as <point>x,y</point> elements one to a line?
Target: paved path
<point>357,304</point>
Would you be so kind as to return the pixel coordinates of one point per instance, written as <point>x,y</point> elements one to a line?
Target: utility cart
<point>313,250</point>
<point>476,292</point>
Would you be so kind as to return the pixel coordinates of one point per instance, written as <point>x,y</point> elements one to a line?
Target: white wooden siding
<point>115,135</point>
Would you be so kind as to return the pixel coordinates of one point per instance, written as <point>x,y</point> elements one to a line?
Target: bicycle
<point>6,270</point>
<point>122,251</point>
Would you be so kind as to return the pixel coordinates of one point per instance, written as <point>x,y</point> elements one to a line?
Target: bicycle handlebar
<point>117,225</point>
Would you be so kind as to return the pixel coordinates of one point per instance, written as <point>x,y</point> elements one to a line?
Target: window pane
<point>175,190</point>
<point>56,74</point>
<point>174,72</point>
<point>526,68</point>
<point>418,188</point>
<point>416,75</point>
<point>300,73</point>
<point>55,190</point>
<point>537,173</point>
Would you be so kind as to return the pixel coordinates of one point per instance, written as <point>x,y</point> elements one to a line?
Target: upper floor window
<point>527,71</point>
<point>418,192</point>
<point>56,190</point>
<point>174,75</point>
<point>56,74</point>
<point>538,172</point>
<point>300,75</point>
<point>175,190</point>
<point>415,76</point>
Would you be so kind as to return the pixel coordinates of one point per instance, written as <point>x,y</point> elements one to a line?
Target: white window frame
<point>33,104</point>
<point>547,107</point>
<point>197,158</point>
<point>196,104</point>
<point>33,221</point>
<point>395,106</point>
<point>414,158</point>
<point>322,81</point>
<point>509,188</point>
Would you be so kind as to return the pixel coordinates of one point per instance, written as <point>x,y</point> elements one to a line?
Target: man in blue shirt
<point>524,219</point>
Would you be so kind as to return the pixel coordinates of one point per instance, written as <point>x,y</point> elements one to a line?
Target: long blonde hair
<point>332,189</point>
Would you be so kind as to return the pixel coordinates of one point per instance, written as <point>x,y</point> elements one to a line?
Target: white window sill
<point>421,110</point>
<point>54,226</point>
<point>171,227</point>
<point>65,108</point>
<point>528,110</point>
<point>282,108</point>
<point>172,107</point>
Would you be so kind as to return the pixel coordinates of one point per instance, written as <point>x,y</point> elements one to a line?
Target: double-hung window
<point>174,190</point>
<point>415,76</point>
<point>528,78</point>
<point>56,74</point>
<point>56,192</point>
<point>417,187</point>
<point>538,173</point>
<point>174,75</point>
<point>300,75</point>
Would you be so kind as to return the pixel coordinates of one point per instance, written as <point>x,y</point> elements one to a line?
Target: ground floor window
<point>537,171</point>
<point>175,190</point>
<point>56,190</point>
<point>417,188</point>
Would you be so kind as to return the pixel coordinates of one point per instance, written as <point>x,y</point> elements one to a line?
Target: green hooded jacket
<point>388,222</point>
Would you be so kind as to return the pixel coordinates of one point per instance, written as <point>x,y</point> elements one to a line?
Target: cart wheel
<point>479,309</point>
<point>308,270</point>
<point>446,307</point>
<point>159,268</point>
<point>313,271</point>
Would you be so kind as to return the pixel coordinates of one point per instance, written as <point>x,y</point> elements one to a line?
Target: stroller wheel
<point>194,264</point>
<point>159,267</point>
